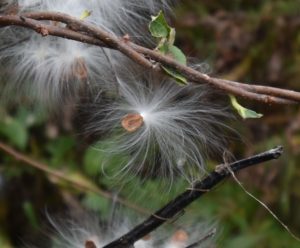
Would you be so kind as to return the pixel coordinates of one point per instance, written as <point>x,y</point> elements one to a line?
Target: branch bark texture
<point>82,31</point>
<point>190,195</point>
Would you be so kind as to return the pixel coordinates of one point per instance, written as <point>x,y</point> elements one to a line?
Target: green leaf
<point>29,211</point>
<point>172,36</point>
<point>181,80</point>
<point>159,27</point>
<point>97,203</point>
<point>177,55</point>
<point>91,161</point>
<point>61,150</point>
<point>245,241</point>
<point>174,52</point>
<point>244,112</point>
<point>15,131</point>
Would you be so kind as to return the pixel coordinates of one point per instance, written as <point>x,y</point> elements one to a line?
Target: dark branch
<point>183,200</point>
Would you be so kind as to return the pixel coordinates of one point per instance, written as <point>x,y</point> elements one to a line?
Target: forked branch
<point>82,31</point>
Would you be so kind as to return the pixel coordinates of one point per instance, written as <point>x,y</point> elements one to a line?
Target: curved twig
<point>60,175</point>
<point>84,32</point>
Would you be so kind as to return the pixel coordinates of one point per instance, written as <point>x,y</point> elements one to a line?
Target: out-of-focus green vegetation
<point>253,41</point>
<point>249,41</point>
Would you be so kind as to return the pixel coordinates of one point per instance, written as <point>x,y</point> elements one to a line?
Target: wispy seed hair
<point>174,128</point>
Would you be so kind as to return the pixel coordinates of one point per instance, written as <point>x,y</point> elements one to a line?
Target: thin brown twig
<point>260,89</point>
<point>225,85</point>
<point>58,174</point>
<point>107,38</point>
<point>88,33</point>
<point>270,94</point>
<point>51,29</point>
<point>169,61</point>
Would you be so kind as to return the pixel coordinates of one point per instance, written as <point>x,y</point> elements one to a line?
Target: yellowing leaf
<point>85,14</point>
<point>243,112</point>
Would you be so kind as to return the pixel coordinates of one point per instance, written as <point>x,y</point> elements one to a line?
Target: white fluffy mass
<point>164,129</point>
<point>75,234</point>
<point>51,69</point>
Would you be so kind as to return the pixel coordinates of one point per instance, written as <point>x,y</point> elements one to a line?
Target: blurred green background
<point>249,41</point>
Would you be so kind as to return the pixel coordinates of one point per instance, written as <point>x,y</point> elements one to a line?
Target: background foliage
<point>249,41</point>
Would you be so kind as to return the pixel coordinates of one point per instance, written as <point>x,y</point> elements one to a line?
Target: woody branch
<point>177,205</point>
<point>79,30</point>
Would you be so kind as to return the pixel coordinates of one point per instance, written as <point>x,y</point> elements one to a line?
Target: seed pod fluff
<point>163,128</point>
<point>50,69</point>
<point>87,232</point>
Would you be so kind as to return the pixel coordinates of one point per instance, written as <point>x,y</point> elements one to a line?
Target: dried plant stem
<point>60,175</point>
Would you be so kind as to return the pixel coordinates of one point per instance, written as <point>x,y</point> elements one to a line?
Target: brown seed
<point>90,244</point>
<point>132,122</point>
<point>80,70</point>
<point>147,237</point>
<point>180,236</point>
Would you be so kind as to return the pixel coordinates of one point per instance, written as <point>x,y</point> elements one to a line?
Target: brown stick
<point>226,85</point>
<point>260,89</point>
<point>49,29</point>
<point>88,33</point>
<point>107,38</point>
<point>58,174</point>
<point>270,94</point>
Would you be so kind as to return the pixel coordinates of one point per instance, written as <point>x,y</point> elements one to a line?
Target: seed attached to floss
<point>80,69</point>
<point>90,244</point>
<point>180,236</point>
<point>147,237</point>
<point>132,122</point>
